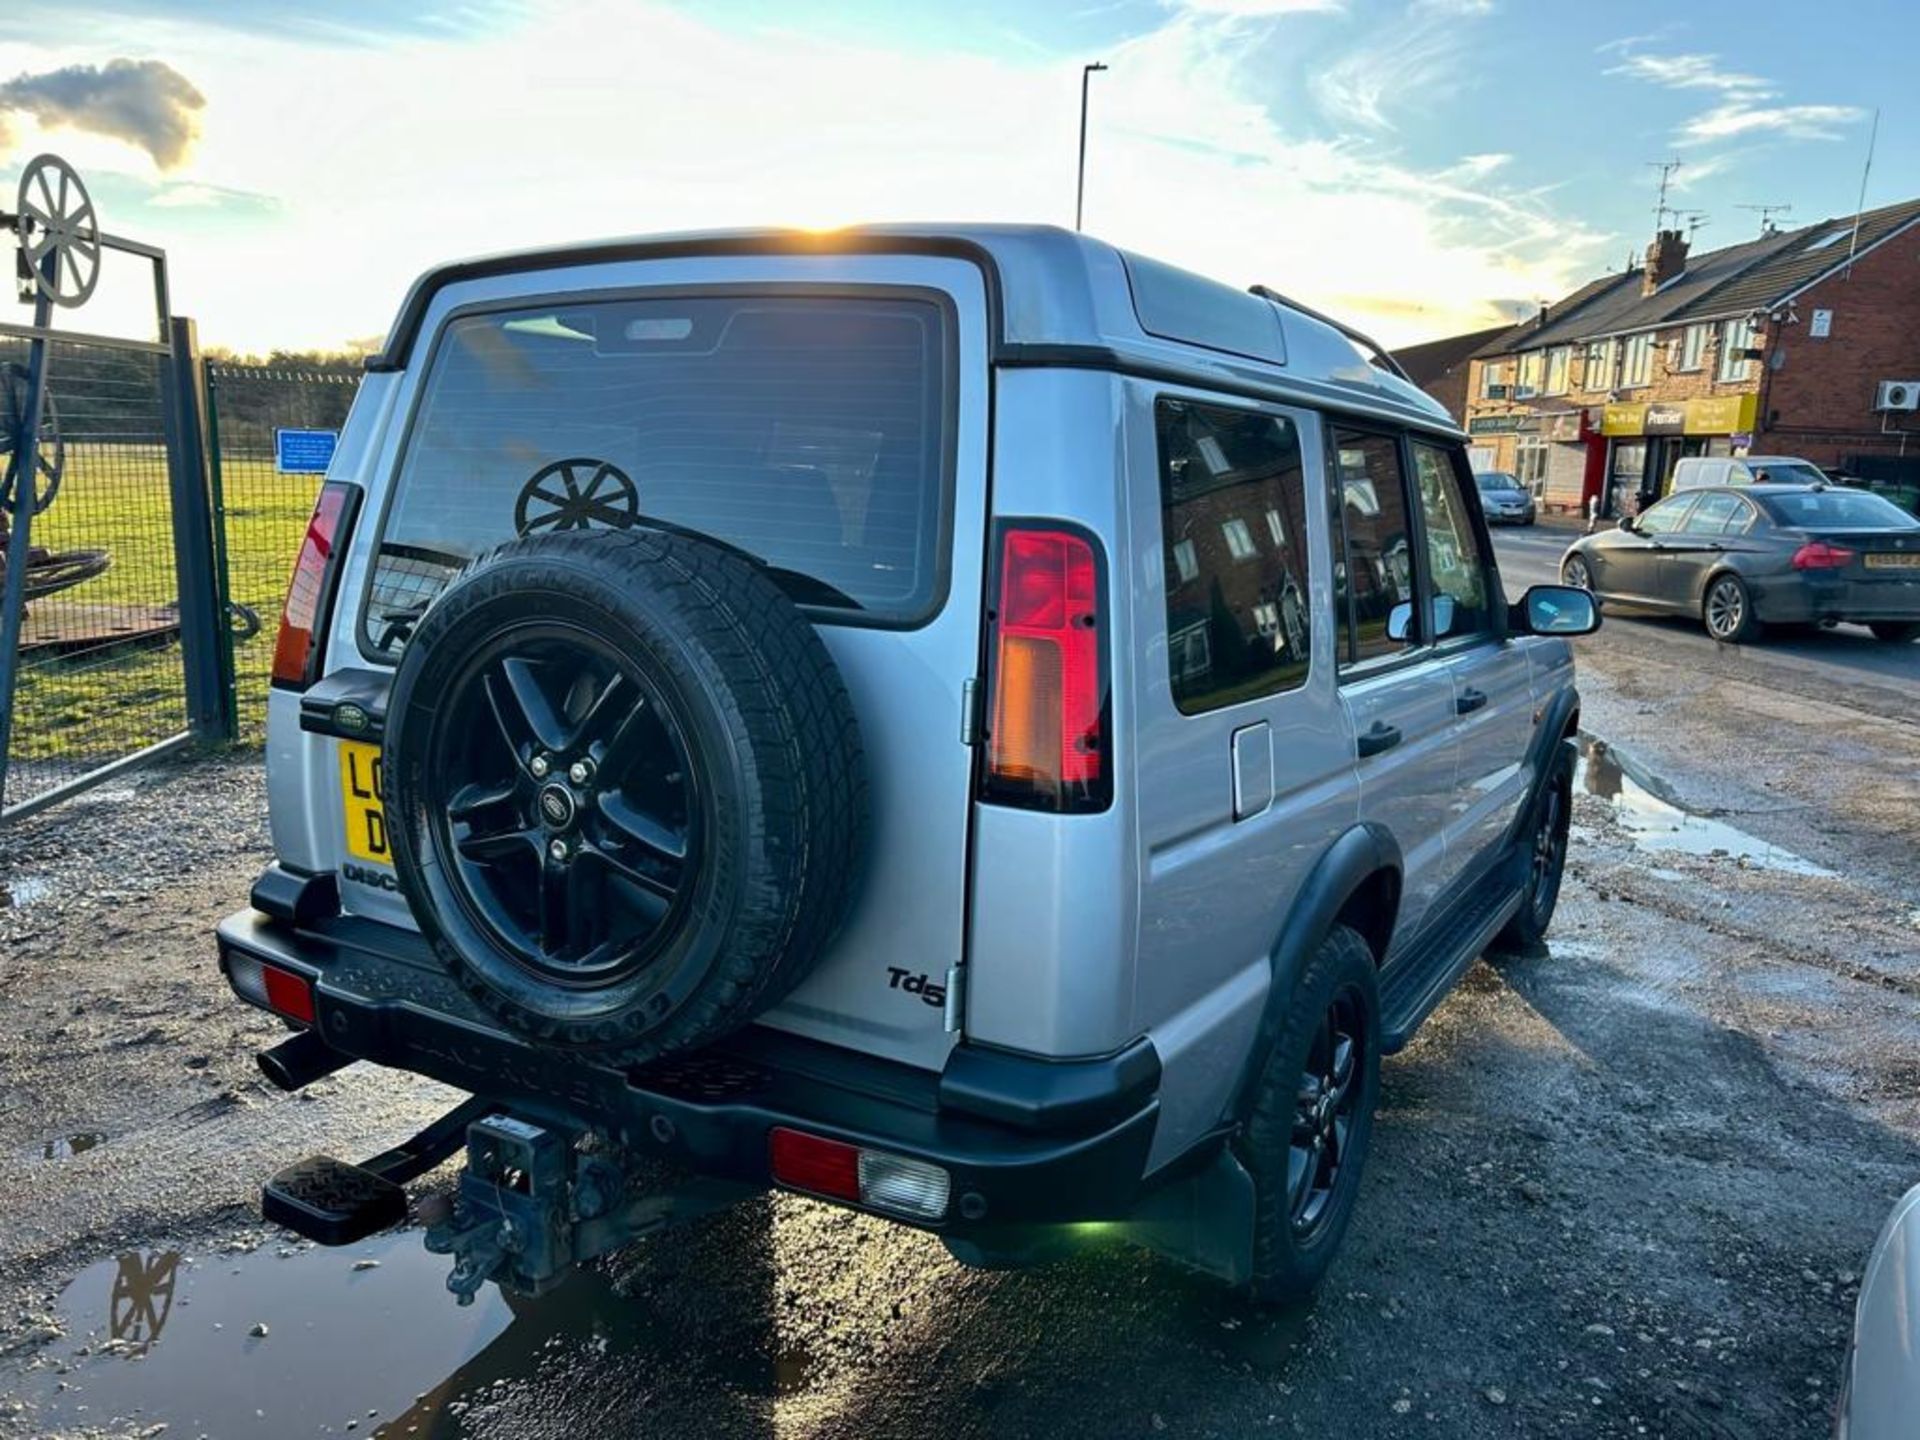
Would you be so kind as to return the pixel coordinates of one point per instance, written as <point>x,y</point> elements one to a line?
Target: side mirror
<point>1626,523</point>
<point>1554,610</point>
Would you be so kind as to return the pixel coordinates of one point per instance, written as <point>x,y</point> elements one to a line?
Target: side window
<point>1233,521</point>
<point>1377,569</point>
<point>1667,516</point>
<point>1455,560</point>
<point>1711,513</point>
<point>1741,521</point>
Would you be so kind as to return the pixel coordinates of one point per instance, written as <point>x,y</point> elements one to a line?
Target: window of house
<point>1238,626</point>
<point>1693,347</point>
<point>1597,373</point>
<point>1531,366</point>
<point>1375,540</point>
<point>1494,380</point>
<point>1559,361</point>
<point>1736,338</point>
<point>1530,463</point>
<point>1636,361</point>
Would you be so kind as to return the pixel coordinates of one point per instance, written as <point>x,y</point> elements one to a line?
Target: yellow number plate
<point>361,792</point>
<point>1885,561</point>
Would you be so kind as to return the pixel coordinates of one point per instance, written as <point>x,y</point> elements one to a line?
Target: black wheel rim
<point>1549,850</point>
<point>565,803</point>
<point>1326,1104</point>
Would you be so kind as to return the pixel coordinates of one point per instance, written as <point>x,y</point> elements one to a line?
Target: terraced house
<point>1802,342</point>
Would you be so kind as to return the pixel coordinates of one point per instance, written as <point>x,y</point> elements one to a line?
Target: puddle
<point>1657,824</point>
<point>24,890</point>
<point>65,1147</point>
<point>362,1340</point>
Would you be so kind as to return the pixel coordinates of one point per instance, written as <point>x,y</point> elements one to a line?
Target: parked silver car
<point>892,715</point>
<point>1504,499</point>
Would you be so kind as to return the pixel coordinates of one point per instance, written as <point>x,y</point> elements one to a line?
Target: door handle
<point>1381,737</point>
<point>1468,701</point>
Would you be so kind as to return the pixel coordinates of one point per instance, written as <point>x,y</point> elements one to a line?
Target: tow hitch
<point>534,1202</point>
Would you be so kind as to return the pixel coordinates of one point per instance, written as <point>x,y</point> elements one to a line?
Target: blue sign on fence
<point>303,452</point>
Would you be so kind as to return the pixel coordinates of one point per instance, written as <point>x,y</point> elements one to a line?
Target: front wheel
<point>1312,1119</point>
<point>1896,632</point>
<point>1727,611</point>
<point>1546,846</point>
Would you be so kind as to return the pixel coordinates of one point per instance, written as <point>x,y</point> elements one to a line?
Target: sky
<point>1420,167</point>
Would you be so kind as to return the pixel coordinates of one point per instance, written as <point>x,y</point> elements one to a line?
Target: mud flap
<point>1203,1221</point>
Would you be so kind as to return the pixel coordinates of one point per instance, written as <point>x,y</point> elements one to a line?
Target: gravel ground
<point>1622,1189</point>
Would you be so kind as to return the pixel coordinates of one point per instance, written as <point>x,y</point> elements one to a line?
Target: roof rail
<point>1380,352</point>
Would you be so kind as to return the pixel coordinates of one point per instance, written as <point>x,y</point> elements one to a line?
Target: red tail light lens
<point>1819,555</point>
<point>1047,738</point>
<point>811,1162</point>
<point>296,655</point>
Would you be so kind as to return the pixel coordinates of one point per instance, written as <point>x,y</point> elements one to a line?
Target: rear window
<point>809,432</point>
<point>1838,510</point>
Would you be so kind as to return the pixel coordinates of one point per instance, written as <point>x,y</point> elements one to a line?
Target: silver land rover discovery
<point>967,723</point>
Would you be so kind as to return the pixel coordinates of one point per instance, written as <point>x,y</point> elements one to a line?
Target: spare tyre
<point>625,788</point>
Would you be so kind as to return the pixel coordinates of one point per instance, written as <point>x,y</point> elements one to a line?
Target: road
<point>1622,1189</point>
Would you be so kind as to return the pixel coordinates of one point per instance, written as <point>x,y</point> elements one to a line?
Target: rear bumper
<point>1024,1140</point>
<point>1858,601</point>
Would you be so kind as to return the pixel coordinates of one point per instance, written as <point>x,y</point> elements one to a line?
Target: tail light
<point>1048,740</point>
<point>296,655</point>
<point>1819,555</point>
<point>874,1178</point>
<point>270,987</point>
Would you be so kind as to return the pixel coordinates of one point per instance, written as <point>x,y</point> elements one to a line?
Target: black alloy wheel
<point>1325,1104</point>
<point>563,786</point>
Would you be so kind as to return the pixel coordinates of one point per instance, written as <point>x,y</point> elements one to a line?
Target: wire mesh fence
<point>100,674</point>
<point>261,510</point>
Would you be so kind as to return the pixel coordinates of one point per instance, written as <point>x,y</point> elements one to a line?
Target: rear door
<point>1688,553</point>
<point>1394,684</point>
<point>826,414</point>
<point>1492,686</point>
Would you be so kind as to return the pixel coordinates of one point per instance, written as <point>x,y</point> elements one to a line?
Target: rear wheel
<point>1312,1118</point>
<point>1896,632</point>
<point>1574,572</point>
<point>1727,611</point>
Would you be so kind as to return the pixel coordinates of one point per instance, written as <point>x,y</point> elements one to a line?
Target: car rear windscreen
<point>810,432</point>
<point>1838,510</point>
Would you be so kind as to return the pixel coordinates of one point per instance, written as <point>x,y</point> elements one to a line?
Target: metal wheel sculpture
<point>50,459</point>
<point>59,236</point>
<point>50,572</point>
<point>576,494</point>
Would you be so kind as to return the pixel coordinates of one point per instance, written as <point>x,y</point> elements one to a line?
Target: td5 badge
<point>925,986</point>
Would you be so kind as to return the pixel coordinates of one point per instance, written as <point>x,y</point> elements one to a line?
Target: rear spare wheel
<point>625,788</point>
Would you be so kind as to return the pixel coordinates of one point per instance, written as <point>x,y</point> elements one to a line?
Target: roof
<point>1737,280</point>
<point>1054,297</point>
<point>1426,363</point>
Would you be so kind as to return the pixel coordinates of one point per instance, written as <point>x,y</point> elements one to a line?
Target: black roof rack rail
<point>1380,352</point>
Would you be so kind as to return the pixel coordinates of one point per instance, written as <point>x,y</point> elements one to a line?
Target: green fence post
<point>223,580</point>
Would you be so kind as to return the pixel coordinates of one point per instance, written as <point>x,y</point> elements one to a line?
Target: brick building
<point>1777,346</point>
<point>1440,367</point>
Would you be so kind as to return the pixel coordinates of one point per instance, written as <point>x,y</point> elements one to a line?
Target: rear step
<point>336,1203</point>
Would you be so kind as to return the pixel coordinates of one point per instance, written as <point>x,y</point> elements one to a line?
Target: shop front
<point>1548,452</point>
<point>1646,439</point>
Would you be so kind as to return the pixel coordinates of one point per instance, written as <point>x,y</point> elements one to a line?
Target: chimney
<point>1666,258</point>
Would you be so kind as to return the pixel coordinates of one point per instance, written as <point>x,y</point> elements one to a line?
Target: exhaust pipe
<point>297,1062</point>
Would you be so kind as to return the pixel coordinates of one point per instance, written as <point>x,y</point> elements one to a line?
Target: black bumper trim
<point>1032,1093</point>
<point>381,995</point>
<point>295,897</point>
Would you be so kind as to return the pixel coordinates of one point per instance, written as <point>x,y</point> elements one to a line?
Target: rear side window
<point>1233,522</point>
<point>1376,573</point>
<point>1714,511</point>
<point>809,432</point>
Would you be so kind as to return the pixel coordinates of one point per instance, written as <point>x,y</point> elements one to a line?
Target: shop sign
<point>1623,420</point>
<point>1721,414</point>
<point>1709,415</point>
<point>1665,420</point>
<point>1561,427</point>
<point>1502,424</point>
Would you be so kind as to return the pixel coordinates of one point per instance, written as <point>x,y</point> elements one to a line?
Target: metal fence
<point>260,508</point>
<point>100,666</point>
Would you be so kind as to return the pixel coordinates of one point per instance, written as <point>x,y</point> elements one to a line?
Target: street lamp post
<point>1080,189</point>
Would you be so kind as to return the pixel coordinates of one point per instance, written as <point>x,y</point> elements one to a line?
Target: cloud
<point>1408,65</point>
<point>1257,9</point>
<point>1750,105</point>
<point>196,195</point>
<point>145,103</point>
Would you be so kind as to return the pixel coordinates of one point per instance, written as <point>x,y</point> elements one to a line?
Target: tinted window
<point>1842,509</point>
<point>1668,515</point>
<point>1377,573</point>
<point>807,432</point>
<point>1234,529</point>
<point>1785,472</point>
<point>1455,561</point>
<point>1711,513</point>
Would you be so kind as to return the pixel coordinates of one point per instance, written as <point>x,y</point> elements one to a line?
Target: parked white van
<point>1698,470</point>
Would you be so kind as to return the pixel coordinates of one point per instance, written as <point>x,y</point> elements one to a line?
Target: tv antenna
<point>1695,219</point>
<point>1662,210</point>
<point>1767,212</point>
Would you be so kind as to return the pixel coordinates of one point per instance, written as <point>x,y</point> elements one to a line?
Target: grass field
<point>82,708</point>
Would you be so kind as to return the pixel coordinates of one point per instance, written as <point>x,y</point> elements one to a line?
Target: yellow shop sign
<point>1708,415</point>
